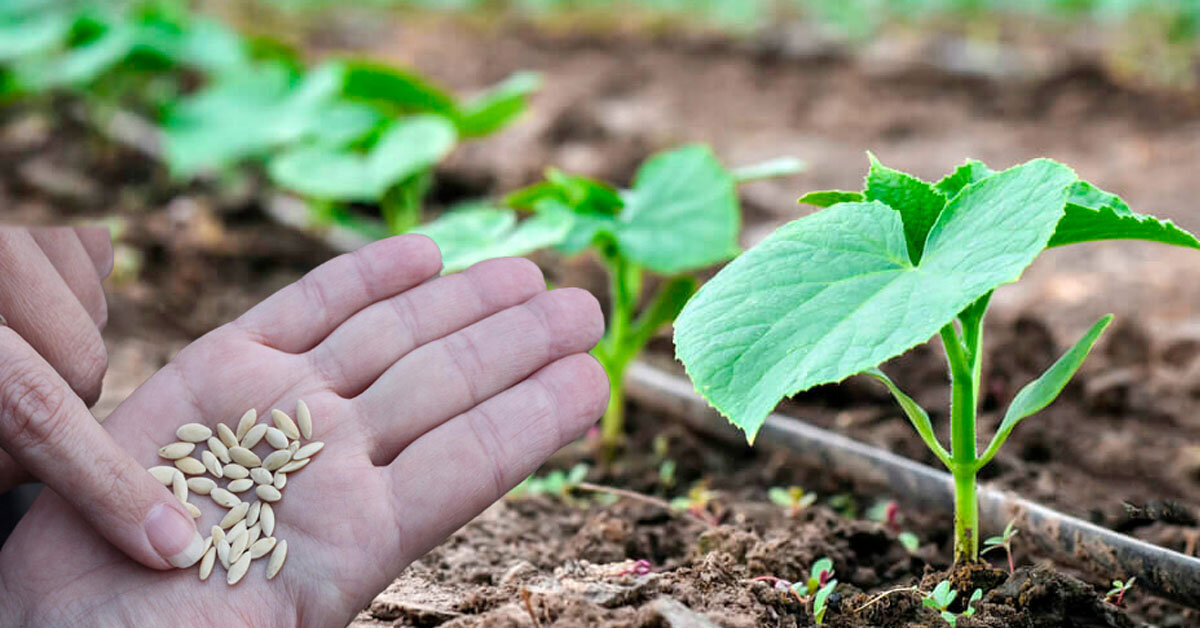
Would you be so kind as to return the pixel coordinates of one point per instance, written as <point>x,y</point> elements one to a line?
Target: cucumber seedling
<point>942,596</point>
<point>1116,595</point>
<point>793,498</point>
<point>681,215</point>
<point>1004,541</point>
<point>877,272</point>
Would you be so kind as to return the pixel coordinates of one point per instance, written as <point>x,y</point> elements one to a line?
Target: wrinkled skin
<point>433,398</point>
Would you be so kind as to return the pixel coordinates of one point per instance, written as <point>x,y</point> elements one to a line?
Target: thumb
<point>48,430</point>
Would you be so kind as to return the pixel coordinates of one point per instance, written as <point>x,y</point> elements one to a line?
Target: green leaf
<point>410,146</point>
<point>950,618</point>
<point>33,35</point>
<point>80,65</point>
<point>916,415</point>
<point>833,294</point>
<point>918,202</point>
<point>820,602</point>
<point>821,566</point>
<point>828,198</point>
<point>1093,214</point>
<point>966,174</point>
<point>394,90</point>
<point>499,105</point>
<point>1042,391</point>
<point>779,167</point>
<point>473,234</point>
<point>909,541</point>
<point>780,496</point>
<point>681,214</point>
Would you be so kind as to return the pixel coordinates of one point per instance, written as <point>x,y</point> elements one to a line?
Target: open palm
<point>433,397</point>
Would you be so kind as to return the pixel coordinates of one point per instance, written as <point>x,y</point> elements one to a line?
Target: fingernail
<point>174,536</point>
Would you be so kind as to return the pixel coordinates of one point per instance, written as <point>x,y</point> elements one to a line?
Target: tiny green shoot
<point>1116,595</point>
<point>943,596</point>
<point>1004,541</point>
<point>877,272</point>
<point>793,498</point>
<point>818,575</point>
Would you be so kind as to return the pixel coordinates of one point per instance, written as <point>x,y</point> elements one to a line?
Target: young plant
<point>1004,541</point>
<point>888,513</point>
<point>1116,595</point>
<point>696,502</point>
<point>819,576</point>
<point>556,483</point>
<point>820,601</point>
<point>793,498</point>
<point>943,596</point>
<point>877,272</point>
<point>681,215</point>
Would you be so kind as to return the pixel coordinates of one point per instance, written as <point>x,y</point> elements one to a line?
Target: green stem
<point>962,439</point>
<point>624,282</point>
<point>612,426</point>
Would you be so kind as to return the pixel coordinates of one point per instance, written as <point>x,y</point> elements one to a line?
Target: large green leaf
<point>1042,391</point>
<point>1093,214</point>
<point>681,214</point>
<point>918,202</point>
<point>410,146</point>
<point>473,234</point>
<point>834,293</point>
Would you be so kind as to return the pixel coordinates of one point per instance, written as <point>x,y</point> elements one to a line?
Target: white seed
<point>206,563</point>
<point>163,474</point>
<point>228,438</point>
<point>268,493</point>
<point>234,532</point>
<point>277,557</point>
<point>223,552</point>
<point>192,510</point>
<point>285,424</point>
<point>267,519</point>
<point>238,570</point>
<point>235,471</point>
<point>179,487</point>
<point>262,547</point>
<point>236,547</point>
<point>246,422</point>
<point>190,466</point>
<point>193,432</point>
<point>252,514</point>
<point>211,464</point>
<point>207,544</point>
<point>254,435</point>
<point>224,498</point>
<point>308,450</point>
<point>217,534</point>
<point>276,459</point>
<point>276,438</point>
<point>280,480</point>
<point>219,449</point>
<point>252,535</point>
<point>201,486</point>
<point>295,445</point>
<point>174,451</point>
<point>304,418</point>
<point>261,475</point>
<point>240,486</point>
<point>235,514</point>
<point>244,457</point>
<point>294,465</point>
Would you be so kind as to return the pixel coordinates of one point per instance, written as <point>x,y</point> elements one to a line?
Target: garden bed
<point>1098,453</point>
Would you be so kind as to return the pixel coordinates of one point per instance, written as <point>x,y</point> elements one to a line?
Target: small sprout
<point>696,501</point>
<point>1116,595</point>
<point>666,473</point>
<point>1003,541</point>
<point>845,505</point>
<point>887,513</point>
<point>556,483</point>
<point>819,575</point>
<point>910,541</point>
<point>943,596</point>
<point>640,567</point>
<point>819,602</point>
<point>794,498</point>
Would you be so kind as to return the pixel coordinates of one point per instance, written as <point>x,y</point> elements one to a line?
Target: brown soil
<point>1125,433</point>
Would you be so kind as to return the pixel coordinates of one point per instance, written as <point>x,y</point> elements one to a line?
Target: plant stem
<point>624,282</point>
<point>613,424</point>
<point>962,439</point>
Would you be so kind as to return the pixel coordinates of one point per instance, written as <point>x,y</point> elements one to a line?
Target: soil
<point>1121,448</point>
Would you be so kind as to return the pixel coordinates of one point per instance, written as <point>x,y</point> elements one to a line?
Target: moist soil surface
<point>1121,447</point>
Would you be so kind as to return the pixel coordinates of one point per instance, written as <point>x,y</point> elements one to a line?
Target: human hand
<point>433,397</point>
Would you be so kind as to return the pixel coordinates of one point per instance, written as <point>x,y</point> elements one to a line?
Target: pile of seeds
<point>247,530</point>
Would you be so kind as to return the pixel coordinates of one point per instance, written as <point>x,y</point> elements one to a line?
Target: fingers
<point>299,316</point>
<point>48,431</point>
<point>11,473</point>
<point>63,248</point>
<point>453,374</point>
<point>492,447</point>
<point>39,306</point>
<point>97,241</point>
<point>356,353</point>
